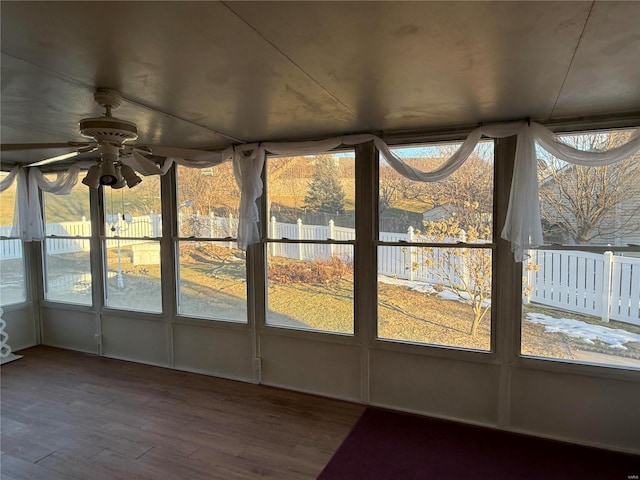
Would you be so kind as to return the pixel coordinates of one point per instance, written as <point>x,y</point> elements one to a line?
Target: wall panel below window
<point>137,339</point>
<point>224,352</point>
<point>584,409</point>
<point>454,389</point>
<point>20,327</point>
<point>70,329</point>
<point>313,366</point>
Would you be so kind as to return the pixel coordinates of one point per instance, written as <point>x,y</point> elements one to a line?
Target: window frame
<point>565,364</point>
<point>451,351</point>
<point>84,238</point>
<point>26,284</point>
<point>104,238</point>
<point>266,241</point>
<point>176,242</point>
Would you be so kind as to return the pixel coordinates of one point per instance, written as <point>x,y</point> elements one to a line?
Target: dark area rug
<point>391,445</point>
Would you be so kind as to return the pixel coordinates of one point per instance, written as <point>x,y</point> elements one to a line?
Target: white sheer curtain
<point>21,202</point>
<point>522,228</point>
<point>33,228</point>
<point>9,179</point>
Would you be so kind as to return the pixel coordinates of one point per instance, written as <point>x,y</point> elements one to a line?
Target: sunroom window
<point>67,246</point>
<point>435,250</point>
<point>581,292</point>
<point>12,271</point>
<point>211,269</point>
<point>131,245</point>
<point>310,246</point>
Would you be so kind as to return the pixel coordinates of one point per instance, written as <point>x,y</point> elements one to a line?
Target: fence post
<point>331,237</point>
<point>607,260</point>
<point>300,245</point>
<point>86,227</point>
<point>155,224</point>
<point>412,252</point>
<point>465,274</point>
<point>212,224</point>
<point>273,234</point>
<point>528,277</point>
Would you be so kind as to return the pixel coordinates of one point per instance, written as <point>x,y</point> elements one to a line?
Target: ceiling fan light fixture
<point>108,174</point>
<point>92,179</point>
<point>121,181</point>
<point>130,176</point>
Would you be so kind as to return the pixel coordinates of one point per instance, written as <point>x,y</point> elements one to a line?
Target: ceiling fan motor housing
<point>108,129</point>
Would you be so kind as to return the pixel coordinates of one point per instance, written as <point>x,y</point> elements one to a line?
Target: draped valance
<point>523,224</point>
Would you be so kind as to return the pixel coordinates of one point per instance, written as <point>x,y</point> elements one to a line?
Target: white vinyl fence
<point>584,282</point>
<point>309,251</point>
<point>575,281</point>
<point>11,248</point>
<point>140,227</point>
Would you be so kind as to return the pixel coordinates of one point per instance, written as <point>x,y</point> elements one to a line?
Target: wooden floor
<point>68,415</point>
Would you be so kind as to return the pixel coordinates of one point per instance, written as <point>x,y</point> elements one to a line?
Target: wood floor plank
<point>12,467</point>
<point>69,415</point>
<point>22,448</point>
<point>184,467</point>
<point>75,467</point>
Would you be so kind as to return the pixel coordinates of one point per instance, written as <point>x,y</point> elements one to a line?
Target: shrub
<point>317,271</point>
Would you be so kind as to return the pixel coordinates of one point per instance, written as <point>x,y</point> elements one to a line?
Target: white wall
<point>21,326</point>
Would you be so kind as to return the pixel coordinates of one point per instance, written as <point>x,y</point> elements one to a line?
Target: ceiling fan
<point>109,136</point>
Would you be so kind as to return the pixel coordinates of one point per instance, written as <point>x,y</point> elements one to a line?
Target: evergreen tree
<point>325,193</point>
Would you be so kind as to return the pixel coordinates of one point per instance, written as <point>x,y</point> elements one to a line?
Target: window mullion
<point>365,266</point>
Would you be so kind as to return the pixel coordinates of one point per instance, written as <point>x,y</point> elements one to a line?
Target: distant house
<point>619,225</point>
<point>439,212</point>
<point>466,219</point>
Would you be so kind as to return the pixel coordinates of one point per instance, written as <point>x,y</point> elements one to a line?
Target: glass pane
<point>134,212</point>
<point>212,281</point>
<point>12,271</point>
<point>133,275</point>
<point>68,215</point>
<point>590,205</point>
<point>315,293</point>
<point>12,275</point>
<point>208,202</point>
<point>312,197</point>
<point>438,296</point>
<point>582,306</point>
<point>585,306</point>
<point>67,271</point>
<point>416,211</point>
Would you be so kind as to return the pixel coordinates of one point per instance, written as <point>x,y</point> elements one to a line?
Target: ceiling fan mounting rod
<point>107,98</point>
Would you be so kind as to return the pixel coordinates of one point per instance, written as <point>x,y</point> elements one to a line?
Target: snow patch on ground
<point>614,337</point>
<point>411,285</point>
<point>423,287</point>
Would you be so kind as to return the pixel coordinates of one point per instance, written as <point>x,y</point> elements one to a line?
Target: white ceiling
<point>300,70</point>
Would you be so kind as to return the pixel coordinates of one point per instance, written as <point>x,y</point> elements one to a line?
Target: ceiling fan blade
<point>14,147</point>
<point>58,158</point>
<point>64,156</point>
<point>186,153</point>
